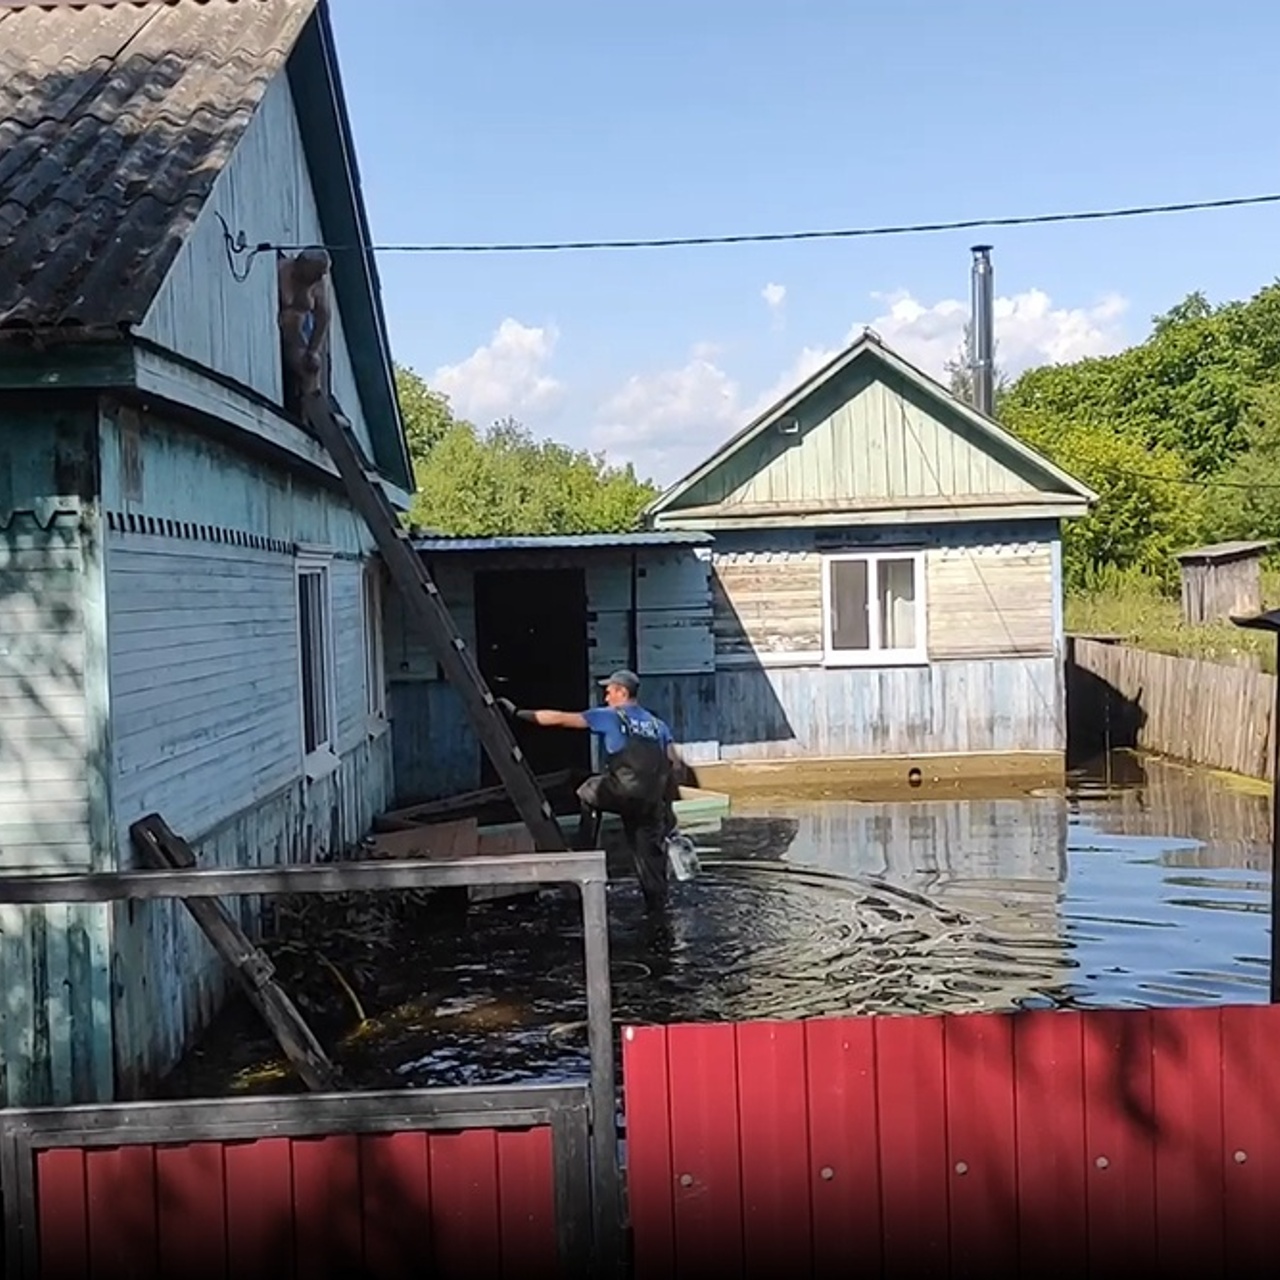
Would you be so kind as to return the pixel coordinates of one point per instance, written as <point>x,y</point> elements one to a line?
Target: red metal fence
<point>383,1190</point>
<point>985,1145</point>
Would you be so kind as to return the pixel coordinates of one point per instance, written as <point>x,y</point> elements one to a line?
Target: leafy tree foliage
<point>1195,402</point>
<point>502,481</point>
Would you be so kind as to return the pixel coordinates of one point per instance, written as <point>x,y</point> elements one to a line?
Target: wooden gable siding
<point>984,598</point>
<point>202,311</point>
<point>866,439</point>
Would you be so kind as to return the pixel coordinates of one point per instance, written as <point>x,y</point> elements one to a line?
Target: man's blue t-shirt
<point>608,722</point>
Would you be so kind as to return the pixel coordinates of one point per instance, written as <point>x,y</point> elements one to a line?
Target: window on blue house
<point>873,607</point>
<point>315,643</point>
<point>374,645</point>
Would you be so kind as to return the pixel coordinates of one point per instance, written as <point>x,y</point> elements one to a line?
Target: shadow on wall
<point>1099,717</point>
<point>745,709</point>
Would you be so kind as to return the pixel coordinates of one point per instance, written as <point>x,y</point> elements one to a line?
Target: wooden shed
<point>1222,581</point>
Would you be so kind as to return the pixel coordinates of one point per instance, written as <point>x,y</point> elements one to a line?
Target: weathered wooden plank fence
<point>1034,1144</point>
<point>1202,712</point>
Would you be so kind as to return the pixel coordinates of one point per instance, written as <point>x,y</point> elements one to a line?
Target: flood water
<point>1141,884</point>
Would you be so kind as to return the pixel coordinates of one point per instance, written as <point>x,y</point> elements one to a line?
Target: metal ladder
<point>423,600</point>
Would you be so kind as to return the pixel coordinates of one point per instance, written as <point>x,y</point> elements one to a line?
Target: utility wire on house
<point>238,245</point>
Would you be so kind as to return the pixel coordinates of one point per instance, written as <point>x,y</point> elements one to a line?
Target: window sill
<point>320,765</point>
<point>877,658</point>
<point>377,727</point>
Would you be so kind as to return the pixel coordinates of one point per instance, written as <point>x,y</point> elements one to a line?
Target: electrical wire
<point>774,237</point>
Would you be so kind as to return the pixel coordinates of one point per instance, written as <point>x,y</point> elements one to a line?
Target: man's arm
<point>547,719</point>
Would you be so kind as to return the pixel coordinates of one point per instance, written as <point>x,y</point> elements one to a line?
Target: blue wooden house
<point>887,577</point>
<point>190,617</point>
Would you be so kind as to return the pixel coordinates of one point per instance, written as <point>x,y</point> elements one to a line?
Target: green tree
<point>1148,506</point>
<point>959,370</point>
<point>1246,502</point>
<point>504,482</point>
<point>426,413</point>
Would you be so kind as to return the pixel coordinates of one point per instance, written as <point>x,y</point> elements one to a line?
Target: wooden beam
<point>254,971</point>
<point>374,875</point>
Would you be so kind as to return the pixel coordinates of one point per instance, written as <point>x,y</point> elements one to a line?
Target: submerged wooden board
<point>887,777</point>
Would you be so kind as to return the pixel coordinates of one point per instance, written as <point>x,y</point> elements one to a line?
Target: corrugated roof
<point>562,542</point>
<point>115,122</point>
<point>1224,551</point>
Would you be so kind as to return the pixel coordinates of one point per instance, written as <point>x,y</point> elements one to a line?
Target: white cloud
<point>774,295</point>
<point>666,422</point>
<point>1029,330</point>
<point>507,375</point>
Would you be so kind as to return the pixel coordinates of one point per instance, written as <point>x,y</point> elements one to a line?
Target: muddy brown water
<point>1142,883</point>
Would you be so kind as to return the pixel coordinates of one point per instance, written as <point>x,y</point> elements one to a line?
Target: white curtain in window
<point>897,604</point>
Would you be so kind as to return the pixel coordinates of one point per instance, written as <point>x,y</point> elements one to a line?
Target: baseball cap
<point>628,680</point>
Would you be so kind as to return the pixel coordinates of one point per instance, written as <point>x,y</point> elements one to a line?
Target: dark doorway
<point>531,641</point>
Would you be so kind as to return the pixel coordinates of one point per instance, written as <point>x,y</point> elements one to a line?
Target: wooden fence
<point>1201,712</point>
<point>985,1145</point>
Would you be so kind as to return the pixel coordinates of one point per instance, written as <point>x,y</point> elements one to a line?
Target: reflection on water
<point>1141,884</point>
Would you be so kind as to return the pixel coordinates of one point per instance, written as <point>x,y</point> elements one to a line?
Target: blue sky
<point>504,120</point>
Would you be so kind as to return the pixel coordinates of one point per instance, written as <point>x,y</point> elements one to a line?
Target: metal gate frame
<point>584,870</point>
<point>565,1109</point>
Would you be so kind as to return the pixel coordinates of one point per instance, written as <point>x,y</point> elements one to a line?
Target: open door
<point>531,646</point>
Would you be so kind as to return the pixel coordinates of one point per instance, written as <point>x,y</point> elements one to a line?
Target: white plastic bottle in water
<point>682,853</point>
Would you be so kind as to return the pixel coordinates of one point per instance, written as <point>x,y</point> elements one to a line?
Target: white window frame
<point>322,759</point>
<point>875,656</point>
<point>373,598</point>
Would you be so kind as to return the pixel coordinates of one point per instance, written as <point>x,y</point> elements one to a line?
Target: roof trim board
<point>316,82</point>
<point>664,508</point>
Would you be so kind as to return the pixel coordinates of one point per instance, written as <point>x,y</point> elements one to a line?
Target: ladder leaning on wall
<point>423,600</point>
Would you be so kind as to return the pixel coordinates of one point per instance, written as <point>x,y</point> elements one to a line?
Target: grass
<point>1137,611</point>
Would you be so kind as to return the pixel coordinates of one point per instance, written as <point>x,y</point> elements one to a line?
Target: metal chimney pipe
<point>982,332</point>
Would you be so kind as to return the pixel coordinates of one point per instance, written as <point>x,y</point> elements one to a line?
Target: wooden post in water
<point>1271,622</point>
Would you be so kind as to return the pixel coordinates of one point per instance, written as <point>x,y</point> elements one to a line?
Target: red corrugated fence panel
<point>469,1205</point>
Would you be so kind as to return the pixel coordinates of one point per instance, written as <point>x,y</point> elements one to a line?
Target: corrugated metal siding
<point>984,601</point>
<point>1006,704</point>
<point>864,438</point>
<point>202,311</point>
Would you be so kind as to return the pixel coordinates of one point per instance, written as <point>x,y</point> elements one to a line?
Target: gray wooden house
<point>189,605</point>
<point>886,573</point>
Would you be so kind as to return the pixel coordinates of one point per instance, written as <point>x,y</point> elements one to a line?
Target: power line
<point>774,237</point>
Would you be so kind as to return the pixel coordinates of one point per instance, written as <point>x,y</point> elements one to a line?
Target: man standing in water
<point>639,778</point>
